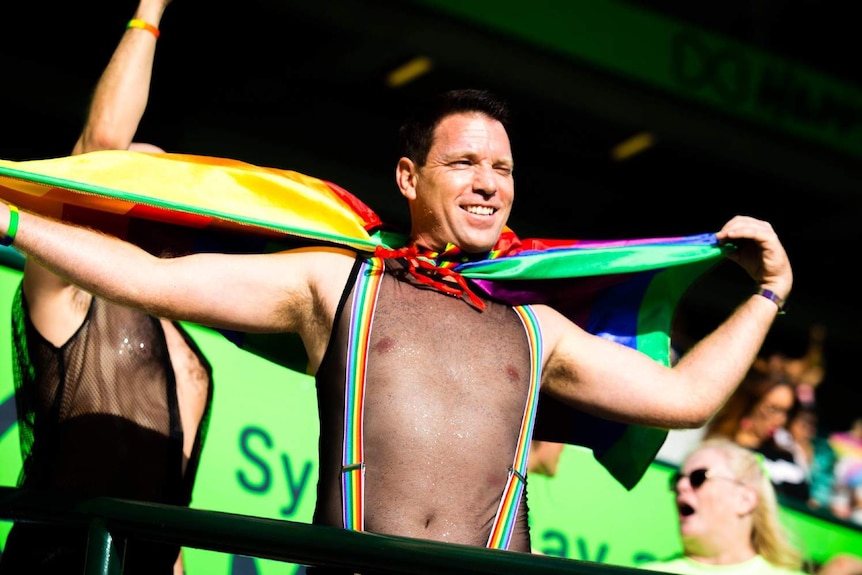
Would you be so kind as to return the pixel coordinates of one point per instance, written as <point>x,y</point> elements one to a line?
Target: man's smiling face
<point>463,194</point>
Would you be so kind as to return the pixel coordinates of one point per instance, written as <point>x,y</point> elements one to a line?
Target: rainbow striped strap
<point>504,524</point>
<point>365,295</point>
<point>368,282</point>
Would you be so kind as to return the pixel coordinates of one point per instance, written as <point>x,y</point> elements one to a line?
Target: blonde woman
<point>728,518</point>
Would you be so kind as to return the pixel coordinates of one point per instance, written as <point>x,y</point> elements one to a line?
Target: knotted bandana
<point>435,269</point>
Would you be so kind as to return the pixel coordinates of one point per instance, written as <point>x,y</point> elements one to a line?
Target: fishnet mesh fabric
<point>98,416</point>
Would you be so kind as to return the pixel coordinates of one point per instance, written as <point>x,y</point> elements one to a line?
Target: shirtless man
<point>447,381</point>
<point>117,399</point>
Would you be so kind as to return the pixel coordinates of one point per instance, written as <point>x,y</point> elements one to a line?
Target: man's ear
<point>405,177</point>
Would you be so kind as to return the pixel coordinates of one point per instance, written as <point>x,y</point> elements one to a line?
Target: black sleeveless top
<point>99,416</point>
<point>446,393</point>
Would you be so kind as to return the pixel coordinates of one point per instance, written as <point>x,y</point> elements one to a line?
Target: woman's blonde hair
<point>768,536</point>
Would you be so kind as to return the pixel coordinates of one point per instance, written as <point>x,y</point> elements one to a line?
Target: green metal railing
<point>110,521</point>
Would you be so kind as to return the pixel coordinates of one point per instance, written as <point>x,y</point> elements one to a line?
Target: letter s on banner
<point>245,447</point>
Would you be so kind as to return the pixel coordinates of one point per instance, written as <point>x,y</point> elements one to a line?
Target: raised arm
<point>56,306</point>
<point>121,95</point>
<point>614,381</point>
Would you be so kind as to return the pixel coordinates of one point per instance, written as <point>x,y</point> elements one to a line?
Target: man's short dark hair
<point>417,132</point>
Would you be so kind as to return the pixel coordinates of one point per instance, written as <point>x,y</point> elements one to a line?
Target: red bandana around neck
<point>434,269</point>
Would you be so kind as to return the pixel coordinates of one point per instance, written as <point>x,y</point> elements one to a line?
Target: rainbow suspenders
<point>353,460</point>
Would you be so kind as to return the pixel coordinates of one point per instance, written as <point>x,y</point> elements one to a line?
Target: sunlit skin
<point>715,520</point>
<point>464,192</point>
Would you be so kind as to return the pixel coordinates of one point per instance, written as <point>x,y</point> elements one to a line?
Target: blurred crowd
<point>728,521</point>
<point>775,413</point>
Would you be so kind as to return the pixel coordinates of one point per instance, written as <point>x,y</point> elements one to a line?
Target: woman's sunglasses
<point>696,478</point>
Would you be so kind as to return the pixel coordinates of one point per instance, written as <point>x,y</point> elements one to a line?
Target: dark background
<point>300,85</point>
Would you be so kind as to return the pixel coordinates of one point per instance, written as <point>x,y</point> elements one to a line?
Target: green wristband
<point>12,229</point>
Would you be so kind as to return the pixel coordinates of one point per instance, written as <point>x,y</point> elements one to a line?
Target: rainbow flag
<point>624,290</point>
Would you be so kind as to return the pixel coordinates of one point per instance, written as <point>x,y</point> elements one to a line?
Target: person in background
<point>111,401</point>
<point>847,445</point>
<point>805,372</point>
<point>544,457</point>
<point>812,452</point>
<point>752,416</point>
<point>729,522</point>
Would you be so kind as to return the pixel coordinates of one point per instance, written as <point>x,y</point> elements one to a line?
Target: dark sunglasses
<point>696,478</point>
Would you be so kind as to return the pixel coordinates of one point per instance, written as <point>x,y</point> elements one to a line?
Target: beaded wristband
<point>12,229</point>
<point>775,298</point>
<point>143,25</point>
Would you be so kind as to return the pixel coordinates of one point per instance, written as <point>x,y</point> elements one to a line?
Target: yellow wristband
<point>138,23</point>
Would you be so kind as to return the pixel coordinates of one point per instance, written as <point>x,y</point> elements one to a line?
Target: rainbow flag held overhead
<point>624,290</point>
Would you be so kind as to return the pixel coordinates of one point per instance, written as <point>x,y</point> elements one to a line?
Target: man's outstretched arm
<point>291,291</point>
<point>617,382</point>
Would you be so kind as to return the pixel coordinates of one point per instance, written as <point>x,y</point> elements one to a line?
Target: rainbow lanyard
<point>368,282</point>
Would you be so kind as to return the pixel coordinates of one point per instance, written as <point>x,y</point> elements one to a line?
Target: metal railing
<point>110,521</point>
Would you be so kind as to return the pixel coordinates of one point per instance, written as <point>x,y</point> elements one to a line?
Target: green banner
<point>681,60</point>
<point>260,459</point>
